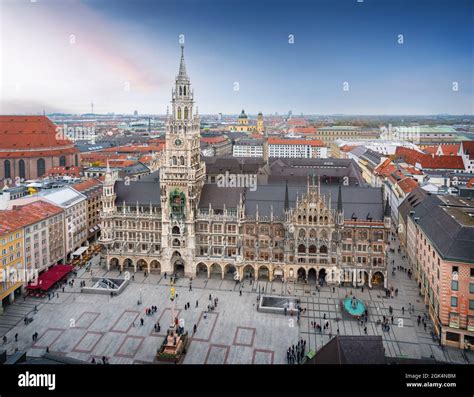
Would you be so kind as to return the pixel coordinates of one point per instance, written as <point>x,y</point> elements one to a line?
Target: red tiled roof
<point>407,184</point>
<point>135,149</point>
<point>86,185</point>
<point>309,142</point>
<point>386,168</point>
<point>428,160</point>
<point>304,130</point>
<point>446,149</point>
<point>468,147</point>
<point>21,216</point>
<point>213,139</point>
<point>347,148</point>
<point>297,122</point>
<point>30,132</point>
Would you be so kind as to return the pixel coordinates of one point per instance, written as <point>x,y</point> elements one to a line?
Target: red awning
<point>48,278</point>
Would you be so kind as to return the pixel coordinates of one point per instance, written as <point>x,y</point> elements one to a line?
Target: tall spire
<point>182,68</point>
<point>388,210</point>
<point>287,201</point>
<point>339,200</point>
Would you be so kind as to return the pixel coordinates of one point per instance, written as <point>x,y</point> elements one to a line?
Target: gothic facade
<point>303,219</point>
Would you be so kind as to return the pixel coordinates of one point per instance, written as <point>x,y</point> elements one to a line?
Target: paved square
<point>88,342</point>
<point>263,356</point>
<point>89,325</point>
<point>48,338</point>
<point>86,319</point>
<point>125,321</point>
<point>129,346</point>
<point>217,354</point>
<point>244,336</point>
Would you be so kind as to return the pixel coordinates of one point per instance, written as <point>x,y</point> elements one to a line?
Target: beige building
<point>239,218</point>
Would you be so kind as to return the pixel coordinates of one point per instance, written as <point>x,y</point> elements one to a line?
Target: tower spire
<point>182,68</point>
<point>287,201</point>
<point>339,200</point>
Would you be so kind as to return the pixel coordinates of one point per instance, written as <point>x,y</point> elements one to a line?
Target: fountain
<point>353,306</point>
<point>175,344</point>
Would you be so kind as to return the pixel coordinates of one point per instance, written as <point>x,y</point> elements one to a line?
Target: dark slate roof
<point>411,201</point>
<point>218,196</point>
<point>144,191</point>
<point>356,200</point>
<point>137,168</point>
<point>448,226</point>
<point>362,349</point>
<point>221,164</point>
<point>372,157</point>
<point>297,170</point>
<point>358,151</point>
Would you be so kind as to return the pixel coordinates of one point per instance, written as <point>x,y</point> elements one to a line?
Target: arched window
<point>181,160</point>
<point>62,161</point>
<point>40,167</point>
<point>184,90</point>
<point>179,113</point>
<point>8,170</point>
<point>175,230</point>
<point>180,90</point>
<point>21,169</point>
<point>175,161</point>
<point>301,233</point>
<point>323,249</point>
<point>186,113</point>
<point>301,248</point>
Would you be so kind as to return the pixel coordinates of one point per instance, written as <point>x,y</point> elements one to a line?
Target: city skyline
<point>122,57</point>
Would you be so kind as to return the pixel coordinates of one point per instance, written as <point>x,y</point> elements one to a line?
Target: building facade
<point>31,146</point>
<point>284,219</point>
<point>440,237</point>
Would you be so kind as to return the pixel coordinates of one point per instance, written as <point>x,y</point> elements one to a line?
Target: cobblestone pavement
<point>84,326</point>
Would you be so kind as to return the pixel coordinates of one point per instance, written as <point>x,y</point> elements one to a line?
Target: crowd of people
<point>295,354</point>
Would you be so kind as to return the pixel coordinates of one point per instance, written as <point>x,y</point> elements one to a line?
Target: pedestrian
<point>16,337</point>
<point>4,339</point>
<point>194,328</point>
<point>240,292</point>
<point>365,330</point>
<point>197,303</point>
<point>403,310</point>
<point>210,297</point>
<point>141,321</point>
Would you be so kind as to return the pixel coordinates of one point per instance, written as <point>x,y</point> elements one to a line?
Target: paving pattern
<point>86,326</point>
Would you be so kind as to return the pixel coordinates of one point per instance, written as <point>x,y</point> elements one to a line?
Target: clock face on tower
<point>178,142</point>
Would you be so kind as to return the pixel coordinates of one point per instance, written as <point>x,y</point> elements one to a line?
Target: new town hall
<point>307,219</point>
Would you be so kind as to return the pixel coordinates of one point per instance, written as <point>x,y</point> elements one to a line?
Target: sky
<point>367,57</point>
